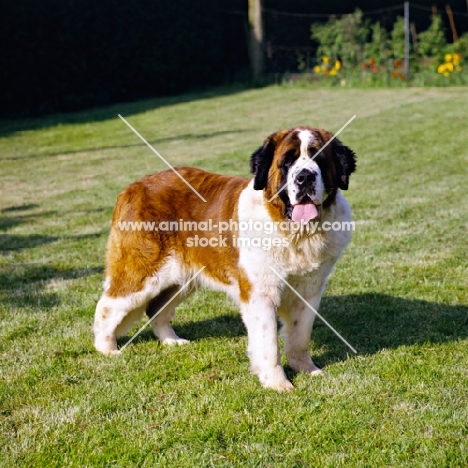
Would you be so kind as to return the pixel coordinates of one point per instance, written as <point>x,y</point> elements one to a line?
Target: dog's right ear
<point>260,163</point>
<point>346,163</point>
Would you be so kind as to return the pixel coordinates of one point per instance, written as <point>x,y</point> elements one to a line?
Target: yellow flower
<point>448,57</point>
<point>441,68</point>
<point>459,69</point>
<point>318,69</point>
<point>446,73</point>
<point>449,67</point>
<point>332,72</point>
<point>337,65</point>
<point>456,59</point>
<point>326,59</point>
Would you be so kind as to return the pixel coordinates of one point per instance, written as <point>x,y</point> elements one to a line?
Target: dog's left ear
<point>260,163</point>
<point>345,159</point>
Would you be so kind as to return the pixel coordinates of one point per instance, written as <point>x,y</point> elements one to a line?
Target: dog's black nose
<point>305,177</point>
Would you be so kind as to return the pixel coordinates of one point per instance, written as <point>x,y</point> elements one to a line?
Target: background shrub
<point>368,54</point>
<point>432,43</point>
<point>343,38</point>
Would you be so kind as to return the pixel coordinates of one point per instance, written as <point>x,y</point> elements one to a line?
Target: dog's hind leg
<point>114,317</point>
<point>161,311</point>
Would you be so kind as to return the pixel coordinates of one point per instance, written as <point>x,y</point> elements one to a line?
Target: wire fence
<point>288,46</point>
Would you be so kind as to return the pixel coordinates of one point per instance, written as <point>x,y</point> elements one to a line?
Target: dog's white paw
<point>106,345</point>
<point>174,342</point>
<point>285,386</point>
<point>276,380</point>
<point>109,352</point>
<point>303,363</point>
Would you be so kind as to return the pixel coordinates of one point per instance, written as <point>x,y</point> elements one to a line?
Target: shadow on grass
<point>369,322</point>
<point>372,322</point>
<point>223,326</point>
<point>15,215</point>
<point>18,242</point>
<point>11,126</point>
<point>28,284</point>
<point>24,207</point>
<point>185,136</point>
<point>12,242</point>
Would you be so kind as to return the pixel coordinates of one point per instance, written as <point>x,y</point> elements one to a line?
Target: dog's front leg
<point>259,316</point>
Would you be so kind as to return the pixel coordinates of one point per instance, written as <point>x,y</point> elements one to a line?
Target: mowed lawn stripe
<point>399,294</point>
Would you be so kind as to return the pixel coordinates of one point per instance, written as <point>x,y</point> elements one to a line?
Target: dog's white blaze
<point>304,162</point>
<point>306,138</point>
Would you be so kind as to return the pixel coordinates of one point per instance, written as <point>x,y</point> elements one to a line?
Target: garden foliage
<point>352,49</point>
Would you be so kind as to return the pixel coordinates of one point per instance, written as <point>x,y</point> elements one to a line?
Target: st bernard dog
<point>298,177</point>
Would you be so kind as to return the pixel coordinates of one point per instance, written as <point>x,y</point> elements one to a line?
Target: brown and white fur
<point>145,269</point>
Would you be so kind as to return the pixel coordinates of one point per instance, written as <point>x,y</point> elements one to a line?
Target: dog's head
<point>305,167</point>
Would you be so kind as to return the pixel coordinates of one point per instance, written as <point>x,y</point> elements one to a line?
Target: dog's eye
<point>312,152</point>
<point>319,158</point>
<point>288,159</point>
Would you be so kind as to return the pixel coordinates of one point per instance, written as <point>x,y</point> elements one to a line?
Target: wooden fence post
<point>407,41</point>
<point>256,38</point>
<point>448,8</point>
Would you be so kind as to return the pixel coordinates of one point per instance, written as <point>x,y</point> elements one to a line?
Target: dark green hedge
<point>72,54</point>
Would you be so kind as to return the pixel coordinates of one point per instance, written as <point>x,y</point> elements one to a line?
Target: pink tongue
<point>304,212</point>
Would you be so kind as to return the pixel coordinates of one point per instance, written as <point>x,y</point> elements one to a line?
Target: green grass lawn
<point>399,294</point>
